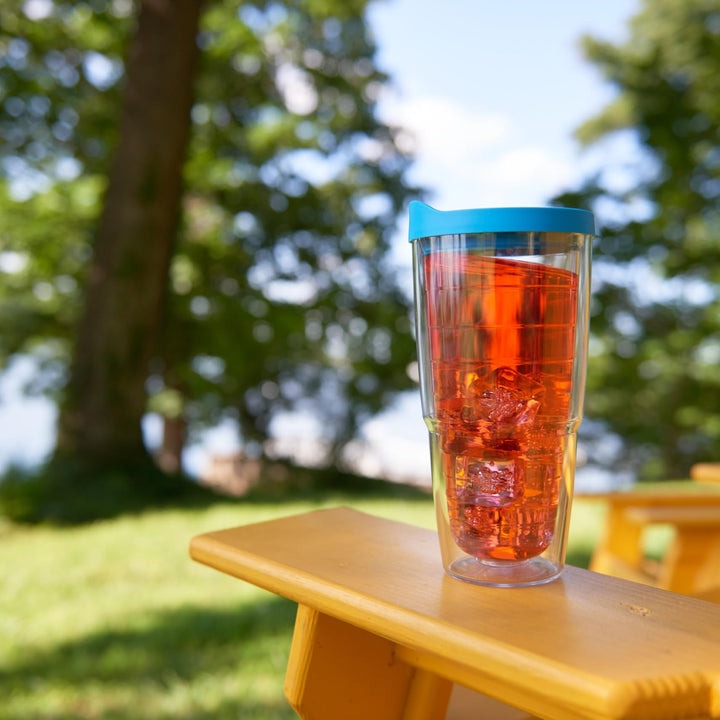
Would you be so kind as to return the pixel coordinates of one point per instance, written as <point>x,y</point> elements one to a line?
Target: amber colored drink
<point>502,335</point>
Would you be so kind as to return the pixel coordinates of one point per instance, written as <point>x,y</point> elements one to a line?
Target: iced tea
<point>501,335</point>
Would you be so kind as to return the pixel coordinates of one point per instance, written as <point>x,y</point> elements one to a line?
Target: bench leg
<point>619,551</point>
<point>428,696</point>
<point>692,562</point>
<point>336,670</point>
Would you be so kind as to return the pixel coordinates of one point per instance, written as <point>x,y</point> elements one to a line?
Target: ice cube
<point>491,482</point>
<point>502,397</point>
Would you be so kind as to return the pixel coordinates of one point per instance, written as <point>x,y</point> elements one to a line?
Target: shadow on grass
<point>203,656</point>
<point>289,483</point>
<point>70,493</point>
<point>227,710</point>
<point>65,492</point>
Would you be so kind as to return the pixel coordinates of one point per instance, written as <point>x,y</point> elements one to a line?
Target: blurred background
<point>283,328</point>
<point>204,272</point>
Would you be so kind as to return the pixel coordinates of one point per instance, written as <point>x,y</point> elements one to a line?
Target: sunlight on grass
<point>112,620</point>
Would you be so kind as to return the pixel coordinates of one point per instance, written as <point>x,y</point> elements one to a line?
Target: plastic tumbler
<point>501,301</point>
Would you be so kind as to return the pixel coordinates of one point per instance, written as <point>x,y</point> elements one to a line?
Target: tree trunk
<point>100,420</point>
<point>169,458</point>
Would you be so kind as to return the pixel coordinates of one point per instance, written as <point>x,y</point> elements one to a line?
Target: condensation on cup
<point>501,301</point>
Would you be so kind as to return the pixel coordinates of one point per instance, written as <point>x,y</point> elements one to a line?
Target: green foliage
<point>655,343</point>
<point>66,491</point>
<point>280,295</point>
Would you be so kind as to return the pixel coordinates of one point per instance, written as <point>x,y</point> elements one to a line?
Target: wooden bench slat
<point>706,472</point>
<point>670,515</point>
<point>675,495</point>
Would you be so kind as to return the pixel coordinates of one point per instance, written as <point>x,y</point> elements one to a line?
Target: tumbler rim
<point>426,221</point>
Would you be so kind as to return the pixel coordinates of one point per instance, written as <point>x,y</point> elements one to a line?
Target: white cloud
<point>478,158</point>
<point>445,131</point>
<point>527,171</point>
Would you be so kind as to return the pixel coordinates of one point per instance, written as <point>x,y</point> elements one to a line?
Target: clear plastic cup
<point>501,299</point>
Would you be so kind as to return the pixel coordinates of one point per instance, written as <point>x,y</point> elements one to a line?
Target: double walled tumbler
<point>501,300</point>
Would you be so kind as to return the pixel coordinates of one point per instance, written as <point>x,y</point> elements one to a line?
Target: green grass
<point>112,620</point>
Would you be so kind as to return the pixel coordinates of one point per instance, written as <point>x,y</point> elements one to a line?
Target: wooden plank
<point>688,516</point>
<point>691,562</point>
<point>331,666</point>
<point>660,494</point>
<point>586,646</point>
<point>609,564</point>
<point>705,472</point>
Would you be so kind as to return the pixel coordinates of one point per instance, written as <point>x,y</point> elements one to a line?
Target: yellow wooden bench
<point>691,564</point>
<point>706,472</point>
<point>383,633</point>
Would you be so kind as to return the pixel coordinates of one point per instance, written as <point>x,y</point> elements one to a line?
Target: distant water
<point>394,445</point>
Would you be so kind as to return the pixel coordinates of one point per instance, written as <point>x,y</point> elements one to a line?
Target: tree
<point>105,399</point>
<point>655,326</point>
<point>279,296</point>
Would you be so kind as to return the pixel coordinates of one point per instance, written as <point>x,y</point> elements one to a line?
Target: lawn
<point>112,620</point>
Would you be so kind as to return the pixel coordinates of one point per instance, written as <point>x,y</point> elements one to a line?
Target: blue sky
<point>494,90</point>
<point>490,92</point>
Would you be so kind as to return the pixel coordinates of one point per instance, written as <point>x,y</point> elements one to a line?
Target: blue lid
<point>426,221</point>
